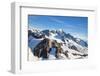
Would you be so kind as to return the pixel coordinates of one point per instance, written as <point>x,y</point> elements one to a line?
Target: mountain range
<point>76,47</point>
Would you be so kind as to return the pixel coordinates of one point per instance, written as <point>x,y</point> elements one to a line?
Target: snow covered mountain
<point>60,34</point>
<point>75,48</point>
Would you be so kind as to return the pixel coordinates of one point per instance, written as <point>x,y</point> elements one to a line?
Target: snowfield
<point>32,42</point>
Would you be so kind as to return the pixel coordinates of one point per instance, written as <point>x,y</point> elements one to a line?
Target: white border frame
<point>16,60</point>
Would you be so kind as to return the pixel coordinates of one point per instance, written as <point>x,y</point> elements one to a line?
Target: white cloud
<point>56,20</point>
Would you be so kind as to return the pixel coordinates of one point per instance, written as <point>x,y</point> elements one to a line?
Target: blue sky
<point>77,26</point>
